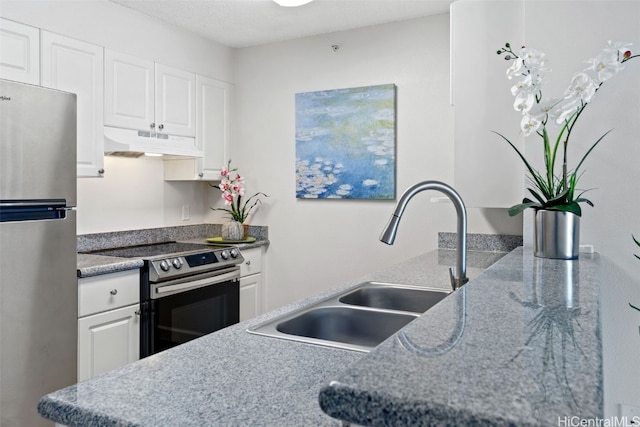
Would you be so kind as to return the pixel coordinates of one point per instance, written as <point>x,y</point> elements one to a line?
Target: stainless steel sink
<point>394,297</point>
<point>357,319</point>
<point>347,325</point>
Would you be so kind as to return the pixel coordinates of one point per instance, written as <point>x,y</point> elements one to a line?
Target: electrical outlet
<point>630,415</point>
<point>185,212</point>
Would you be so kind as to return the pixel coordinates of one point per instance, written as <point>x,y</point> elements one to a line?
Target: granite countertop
<point>232,377</point>
<point>519,345</point>
<point>95,265</point>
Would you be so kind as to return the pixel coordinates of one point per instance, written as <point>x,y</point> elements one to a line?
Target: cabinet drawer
<point>252,262</point>
<point>108,291</point>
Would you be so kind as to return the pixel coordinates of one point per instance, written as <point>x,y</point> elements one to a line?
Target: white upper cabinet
<point>143,95</point>
<point>487,171</point>
<point>129,91</point>
<point>76,66</point>
<point>19,52</point>
<point>175,101</point>
<point>212,135</point>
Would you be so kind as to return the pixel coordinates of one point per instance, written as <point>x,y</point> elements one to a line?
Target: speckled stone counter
<point>232,377</point>
<point>116,239</point>
<point>94,265</point>
<point>518,346</point>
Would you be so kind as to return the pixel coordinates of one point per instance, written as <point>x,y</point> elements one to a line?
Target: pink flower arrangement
<point>232,187</point>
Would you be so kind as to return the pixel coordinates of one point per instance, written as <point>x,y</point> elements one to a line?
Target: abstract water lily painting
<point>345,143</point>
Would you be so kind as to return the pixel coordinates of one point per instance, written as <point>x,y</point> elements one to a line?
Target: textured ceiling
<point>243,23</point>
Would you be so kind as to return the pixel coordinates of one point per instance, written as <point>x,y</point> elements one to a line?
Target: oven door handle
<point>197,283</point>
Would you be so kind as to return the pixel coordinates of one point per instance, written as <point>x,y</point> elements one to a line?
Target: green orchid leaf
<point>573,207</point>
<point>559,199</point>
<point>515,210</point>
<point>583,200</point>
<point>536,196</point>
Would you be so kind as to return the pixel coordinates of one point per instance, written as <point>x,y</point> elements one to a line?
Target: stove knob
<point>164,265</point>
<point>234,253</point>
<point>224,254</point>
<point>177,263</point>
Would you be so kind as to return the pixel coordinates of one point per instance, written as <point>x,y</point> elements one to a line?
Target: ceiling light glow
<point>292,3</point>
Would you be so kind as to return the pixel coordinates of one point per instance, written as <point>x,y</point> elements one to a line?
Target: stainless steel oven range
<point>186,291</point>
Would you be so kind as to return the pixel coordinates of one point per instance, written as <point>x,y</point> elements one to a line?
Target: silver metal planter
<point>556,234</point>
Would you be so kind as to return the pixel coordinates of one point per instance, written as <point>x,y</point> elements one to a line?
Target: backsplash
<point>481,242</point>
<point>116,239</point>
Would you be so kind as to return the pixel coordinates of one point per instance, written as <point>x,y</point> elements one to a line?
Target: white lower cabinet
<point>109,322</point>
<point>251,285</point>
<point>108,340</point>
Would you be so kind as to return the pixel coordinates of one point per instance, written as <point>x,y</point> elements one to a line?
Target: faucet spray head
<point>388,235</point>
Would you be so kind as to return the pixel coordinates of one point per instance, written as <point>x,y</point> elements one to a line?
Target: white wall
<point>612,169</point>
<point>132,193</point>
<point>317,244</point>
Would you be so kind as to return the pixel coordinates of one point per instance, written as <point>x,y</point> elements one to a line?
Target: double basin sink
<point>357,319</point>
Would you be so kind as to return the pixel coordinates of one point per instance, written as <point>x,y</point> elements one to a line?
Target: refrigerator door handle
<point>33,210</point>
<point>16,204</point>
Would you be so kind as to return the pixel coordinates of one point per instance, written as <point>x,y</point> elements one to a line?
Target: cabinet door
<point>75,66</point>
<point>175,101</point>
<point>19,52</point>
<point>250,296</point>
<point>128,92</point>
<point>212,135</point>
<point>108,340</point>
<point>487,171</point>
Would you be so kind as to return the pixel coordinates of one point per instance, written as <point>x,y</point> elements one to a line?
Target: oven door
<point>184,309</point>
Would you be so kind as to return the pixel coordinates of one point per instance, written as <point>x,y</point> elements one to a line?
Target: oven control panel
<point>177,265</point>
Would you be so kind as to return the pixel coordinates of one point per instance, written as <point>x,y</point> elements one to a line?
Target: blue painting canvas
<point>345,143</point>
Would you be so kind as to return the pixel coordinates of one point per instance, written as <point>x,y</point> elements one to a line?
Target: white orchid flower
<point>606,64</point>
<point>618,47</point>
<point>515,69</point>
<point>582,86</point>
<point>529,124</point>
<point>533,58</point>
<point>524,101</point>
<point>524,85</point>
<point>565,108</point>
<point>544,109</point>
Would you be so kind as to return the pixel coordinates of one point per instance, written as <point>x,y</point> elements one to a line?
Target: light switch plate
<point>185,212</point>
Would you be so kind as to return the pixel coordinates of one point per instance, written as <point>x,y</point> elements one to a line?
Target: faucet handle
<point>452,278</point>
<point>456,283</point>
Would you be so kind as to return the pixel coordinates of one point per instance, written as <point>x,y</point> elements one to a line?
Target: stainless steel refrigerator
<point>38,285</point>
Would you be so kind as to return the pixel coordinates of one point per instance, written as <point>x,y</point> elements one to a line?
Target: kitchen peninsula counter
<point>490,367</point>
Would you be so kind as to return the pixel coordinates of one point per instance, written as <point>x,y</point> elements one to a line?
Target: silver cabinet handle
<point>161,127</point>
<point>248,262</point>
<point>201,174</point>
<point>101,171</point>
<point>113,291</point>
<point>138,312</point>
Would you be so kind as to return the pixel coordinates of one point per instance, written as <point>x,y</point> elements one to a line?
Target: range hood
<point>135,143</point>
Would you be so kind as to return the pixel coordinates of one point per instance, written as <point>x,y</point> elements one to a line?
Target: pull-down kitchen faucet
<point>389,233</point>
